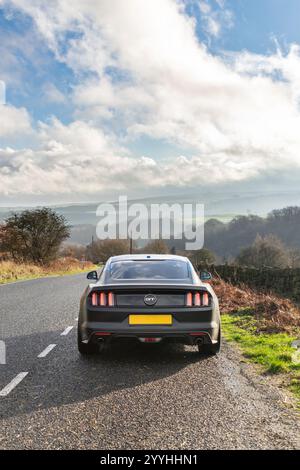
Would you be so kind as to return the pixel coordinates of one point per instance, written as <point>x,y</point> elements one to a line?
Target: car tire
<point>85,348</point>
<point>211,349</point>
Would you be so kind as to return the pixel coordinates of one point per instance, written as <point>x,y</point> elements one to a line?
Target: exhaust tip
<point>200,341</point>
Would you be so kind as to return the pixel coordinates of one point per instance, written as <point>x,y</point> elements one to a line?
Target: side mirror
<point>93,276</point>
<point>205,276</point>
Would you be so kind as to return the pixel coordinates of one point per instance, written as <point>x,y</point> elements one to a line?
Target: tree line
<point>40,235</point>
<point>228,240</point>
<point>37,236</point>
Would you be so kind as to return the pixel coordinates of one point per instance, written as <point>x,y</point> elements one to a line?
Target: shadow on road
<point>64,377</point>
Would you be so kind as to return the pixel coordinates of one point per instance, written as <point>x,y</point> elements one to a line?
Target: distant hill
<point>230,224</point>
<point>223,205</point>
<point>226,240</point>
<point>82,234</point>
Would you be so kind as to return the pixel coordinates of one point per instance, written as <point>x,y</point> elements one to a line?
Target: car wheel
<point>211,349</point>
<point>84,348</point>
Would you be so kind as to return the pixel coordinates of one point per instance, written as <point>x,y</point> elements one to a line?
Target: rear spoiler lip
<point>150,287</point>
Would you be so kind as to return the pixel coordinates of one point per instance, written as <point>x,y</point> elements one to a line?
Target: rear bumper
<point>187,333</point>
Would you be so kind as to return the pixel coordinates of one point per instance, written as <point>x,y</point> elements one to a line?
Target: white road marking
<point>47,350</point>
<point>6,390</point>
<point>66,331</point>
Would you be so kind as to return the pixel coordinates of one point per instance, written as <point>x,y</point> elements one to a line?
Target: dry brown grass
<point>274,313</point>
<point>11,271</point>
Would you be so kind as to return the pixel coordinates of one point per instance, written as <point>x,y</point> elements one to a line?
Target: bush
<point>203,257</point>
<point>156,247</point>
<point>34,235</point>
<point>73,251</point>
<point>267,251</point>
<point>100,250</point>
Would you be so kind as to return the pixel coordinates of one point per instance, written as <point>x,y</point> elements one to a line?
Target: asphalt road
<point>135,396</point>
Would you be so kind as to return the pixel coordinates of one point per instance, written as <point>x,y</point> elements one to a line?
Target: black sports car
<point>149,298</point>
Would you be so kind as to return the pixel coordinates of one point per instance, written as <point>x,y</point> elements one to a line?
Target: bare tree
<point>203,257</point>
<point>265,251</point>
<point>73,251</point>
<point>294,254</point>
<point>100,250</point>
<point>156,247</point>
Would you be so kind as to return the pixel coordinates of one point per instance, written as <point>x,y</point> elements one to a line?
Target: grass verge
<point>272,351</point>
<point>12,272</point>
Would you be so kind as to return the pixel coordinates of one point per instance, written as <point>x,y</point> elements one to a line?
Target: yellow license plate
<point>150,319</point>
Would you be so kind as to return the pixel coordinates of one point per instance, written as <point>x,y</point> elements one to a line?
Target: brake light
<point>197,299</point>
<point>102,299</point>
<point>205,299</point>
<point>189,299</point>
<point>94,299</point>
<point>201,333</point>
<point>151,340</point>
<point>111,299</point>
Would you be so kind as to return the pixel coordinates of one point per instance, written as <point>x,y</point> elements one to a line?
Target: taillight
<point>205,299</point>
<point>111,300</point>
<point>94,299</point>
<point>189,299</point>
<point>197,299</point>
<point>103,299</point>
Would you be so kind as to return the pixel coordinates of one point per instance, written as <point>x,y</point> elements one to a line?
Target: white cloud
<point>204,7</point>
<point>74,158</point>
<point>79,158</point>
<point>215,20</point>
<point>143,70</point>
<point>14,121</point>
<point>52,94</point>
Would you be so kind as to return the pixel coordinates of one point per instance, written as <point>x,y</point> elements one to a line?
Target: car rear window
<point>163,269</point>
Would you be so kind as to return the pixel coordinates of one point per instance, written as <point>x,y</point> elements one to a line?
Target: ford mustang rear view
<point>150,298</point>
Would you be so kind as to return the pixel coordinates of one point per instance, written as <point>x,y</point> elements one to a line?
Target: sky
<point>140,97</point>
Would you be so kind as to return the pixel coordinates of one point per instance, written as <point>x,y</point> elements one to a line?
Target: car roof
<point>147,257</point>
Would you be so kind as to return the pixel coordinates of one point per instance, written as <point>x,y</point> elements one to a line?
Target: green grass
<point>272,351</point>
